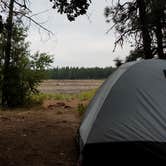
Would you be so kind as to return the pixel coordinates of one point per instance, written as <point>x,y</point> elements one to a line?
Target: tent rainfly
<point>125,123</point>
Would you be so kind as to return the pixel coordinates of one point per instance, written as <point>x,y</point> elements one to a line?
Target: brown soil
<point>39,137</point>
<point>68,86</point>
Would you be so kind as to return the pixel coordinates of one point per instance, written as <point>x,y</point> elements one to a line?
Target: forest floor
<point>40,136</point>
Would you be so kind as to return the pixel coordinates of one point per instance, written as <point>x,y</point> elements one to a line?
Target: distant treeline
<point>80,73</point>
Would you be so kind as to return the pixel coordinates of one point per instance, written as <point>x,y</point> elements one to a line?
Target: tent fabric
<point>130,106</point>
<point>98,100</point>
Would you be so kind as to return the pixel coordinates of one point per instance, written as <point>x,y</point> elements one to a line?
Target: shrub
<point>81,108</point>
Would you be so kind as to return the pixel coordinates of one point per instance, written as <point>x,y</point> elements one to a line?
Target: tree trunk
<point>158,7</point>
<point>144,28</point>
<point>6,71</point>
<point>159,37</point>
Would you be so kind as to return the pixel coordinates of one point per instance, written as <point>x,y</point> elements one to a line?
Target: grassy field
<point>44,135</point>
<point>68,86</point>
<point>67,90</point>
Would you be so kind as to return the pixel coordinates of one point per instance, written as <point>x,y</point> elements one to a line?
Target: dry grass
<point>68,86</point>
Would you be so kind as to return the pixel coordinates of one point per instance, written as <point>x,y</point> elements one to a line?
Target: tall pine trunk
<point>159,37</point>
<point>158,7</point>
<point>144,29</point>
<point>6,71</point>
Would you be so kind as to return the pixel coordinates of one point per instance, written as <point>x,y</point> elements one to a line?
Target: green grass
<point>81,108</point>
<point>87,95</point>
<point>82,96</point>
<point>39,98</point>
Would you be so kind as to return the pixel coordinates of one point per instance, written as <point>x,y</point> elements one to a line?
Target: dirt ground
<point>43,136</point>
<point>68,86</point>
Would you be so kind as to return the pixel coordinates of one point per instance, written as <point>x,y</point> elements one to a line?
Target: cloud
<point>80,43</point>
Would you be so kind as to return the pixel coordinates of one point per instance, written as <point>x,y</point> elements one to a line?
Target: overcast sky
<point>80,43</point>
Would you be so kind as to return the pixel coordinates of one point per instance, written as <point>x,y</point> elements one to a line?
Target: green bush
<point>20,78</point>
<point>81,108</point>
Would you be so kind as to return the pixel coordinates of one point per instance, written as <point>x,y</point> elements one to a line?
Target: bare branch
<point>29,17</point>
<point>38,24</point>
<point>42,12</point>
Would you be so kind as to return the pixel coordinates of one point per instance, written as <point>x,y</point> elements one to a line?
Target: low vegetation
<point>81,108</point>
<point>82,96</point>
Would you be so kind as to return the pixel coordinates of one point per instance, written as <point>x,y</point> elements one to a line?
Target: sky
<point>82,43</point>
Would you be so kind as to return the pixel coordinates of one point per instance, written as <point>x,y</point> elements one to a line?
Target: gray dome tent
<point>126,120</point>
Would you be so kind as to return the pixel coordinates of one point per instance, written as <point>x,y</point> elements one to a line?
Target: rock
<point>60,104</point>
<point>67,107</point>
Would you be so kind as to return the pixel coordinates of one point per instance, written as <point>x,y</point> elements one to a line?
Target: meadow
<point>66,90</point>
<point>68,86</point>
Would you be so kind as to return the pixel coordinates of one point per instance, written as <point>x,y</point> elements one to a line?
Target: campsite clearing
<point>39,136</point>
<point>42,135</point>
